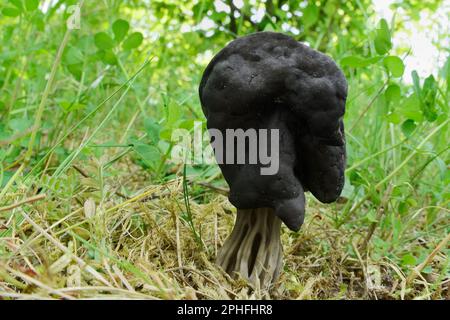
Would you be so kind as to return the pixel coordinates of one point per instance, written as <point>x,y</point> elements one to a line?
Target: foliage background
<point>90,205</point>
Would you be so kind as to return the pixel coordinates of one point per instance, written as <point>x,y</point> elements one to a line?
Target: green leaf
<point>411,109</point>
<point>38,21</point>
<point>133,41</point>
<point>358,62</point>
<point>152,128</point>
<point>108,57</point>
<point>428,98</point>
<point>103,41</point>
<point>395,65</point>
<point>76,70</point>
<point>31,5</point>
<point>20,124</point>
<point>408,260</point>
<point>427,270</point>
<point>17,3</point>
<point>427,95</point>
<point>73,55</point>
<point>6,176</point>
<point>392,93</point>
<point>371,217</point>
<point>393,118</point>
<point>416,82</point>
<point>310,15</point>
<point>408,127</point>
<point>150,155</point>
<point>11,12</point>
<point>120,28</point>
<point>382,39</point>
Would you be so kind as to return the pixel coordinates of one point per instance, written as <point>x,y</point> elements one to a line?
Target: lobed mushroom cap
<point>270,80</point>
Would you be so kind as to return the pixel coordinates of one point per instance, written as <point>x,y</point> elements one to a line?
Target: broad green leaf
<point>310,15</point>
<point>411,109</point>
<point>31,5</point>
<point>133,41</point>
<point>428,98</point>
<point>152,128</point>
<point>408,127</point>
<point>416,82</point>
<point>17,3</point>
<point>358,62</point>
<point>20,124</point>
<point>11,12</point>
<point>38,21</point>
<point>108,57</point>
<point>76,69</point>
<point>73,55</point>
<point>382,39</point>
<point>395,65</point>
<point>392,93</point>
<point>120,28</point>
<point>103,41</point>
<point>150,155</point>
<point>427,95</point>
<point>408,260</point>
<point>393,118</point>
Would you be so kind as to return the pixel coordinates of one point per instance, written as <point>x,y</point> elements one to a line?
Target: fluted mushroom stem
<point>253,248</point>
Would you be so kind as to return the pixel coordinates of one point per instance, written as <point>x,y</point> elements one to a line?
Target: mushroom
<point>268,80</point>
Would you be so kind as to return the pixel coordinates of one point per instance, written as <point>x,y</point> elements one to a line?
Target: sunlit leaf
<point>393,118</point>
<point>73,55</point>
<point>133,41</point>
<point>310,15</point>
<point>382,39</point>
<point>31,5</point>
<point>411,109</point>
<point>358,62</point>
<point>120,28</point>
<point>11,12</point>
<point>103,41</point>
<point>395,65</point>
<point>429,92</point>
<point>392,93</point>
<point>408,260</point>
<point>17,3</point>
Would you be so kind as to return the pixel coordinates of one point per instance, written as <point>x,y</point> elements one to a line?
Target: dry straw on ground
<point>100,243</point>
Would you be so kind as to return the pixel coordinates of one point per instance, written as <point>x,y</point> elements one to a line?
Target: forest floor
<point>99,243</point>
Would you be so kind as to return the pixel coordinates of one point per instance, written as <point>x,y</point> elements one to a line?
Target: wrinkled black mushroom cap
<point>269,80</point>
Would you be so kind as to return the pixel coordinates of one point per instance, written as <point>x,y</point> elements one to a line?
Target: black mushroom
<point>270,81</point>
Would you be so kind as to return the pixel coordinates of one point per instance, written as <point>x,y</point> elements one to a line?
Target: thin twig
<point>18,204</point>
<point>224,191</point>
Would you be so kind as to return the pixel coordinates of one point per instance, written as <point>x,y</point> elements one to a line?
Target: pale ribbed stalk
<point>253,250</point>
